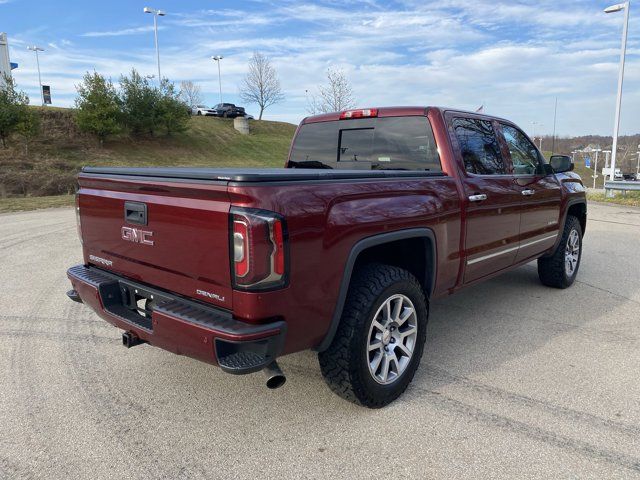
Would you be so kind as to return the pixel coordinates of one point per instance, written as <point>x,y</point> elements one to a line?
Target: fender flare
<point>570,203</point>
<point>358,248</point>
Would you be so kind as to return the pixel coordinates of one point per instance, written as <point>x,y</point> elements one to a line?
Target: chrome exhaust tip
<point>275,377</point>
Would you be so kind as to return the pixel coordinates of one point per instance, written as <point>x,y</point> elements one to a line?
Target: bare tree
<point>190,93</point>
<point>261,84</point>
<point>336,96</point>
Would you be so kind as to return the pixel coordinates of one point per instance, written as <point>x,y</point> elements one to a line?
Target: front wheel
<point>560,269</point>
<point>379,342</point>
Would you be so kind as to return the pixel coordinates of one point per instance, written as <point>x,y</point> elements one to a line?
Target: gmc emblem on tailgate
<point>136,235</point>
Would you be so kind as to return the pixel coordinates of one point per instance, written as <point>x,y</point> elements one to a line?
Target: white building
<point>5,64</point>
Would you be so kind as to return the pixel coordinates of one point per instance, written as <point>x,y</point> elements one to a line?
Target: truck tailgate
<point>171,235</point>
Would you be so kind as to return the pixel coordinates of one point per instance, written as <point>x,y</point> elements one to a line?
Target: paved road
<point>518,381</point>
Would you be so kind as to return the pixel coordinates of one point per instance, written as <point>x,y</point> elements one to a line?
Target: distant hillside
<point>627,158</point>
<point>49,165</point>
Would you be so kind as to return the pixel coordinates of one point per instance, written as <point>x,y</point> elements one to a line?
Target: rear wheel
<point>560,269</point>
<point>380,339</point>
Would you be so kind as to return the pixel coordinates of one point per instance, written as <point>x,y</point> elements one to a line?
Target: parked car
<point>203,110</point>
<point>377,213</point>
<point>228,110</point>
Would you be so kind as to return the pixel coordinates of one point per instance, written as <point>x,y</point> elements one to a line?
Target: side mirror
<point>561,163</point>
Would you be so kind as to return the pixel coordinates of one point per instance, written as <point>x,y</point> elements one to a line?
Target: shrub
<point>98,110</point>
<point>173,113</point>
<point>13,108</point>
<point>139,103</point>
<point>28,128</point>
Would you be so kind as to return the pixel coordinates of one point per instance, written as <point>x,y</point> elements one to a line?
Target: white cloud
<point>513,57</point>
<point>124,31</point>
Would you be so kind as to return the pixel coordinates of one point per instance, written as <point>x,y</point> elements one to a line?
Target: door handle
<point>528,192</point>
<point>477,197</point>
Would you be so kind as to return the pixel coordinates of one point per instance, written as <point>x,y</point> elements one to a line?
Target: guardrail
<point>625,186</point>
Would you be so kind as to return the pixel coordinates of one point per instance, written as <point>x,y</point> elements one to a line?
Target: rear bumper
<point>177,324</point>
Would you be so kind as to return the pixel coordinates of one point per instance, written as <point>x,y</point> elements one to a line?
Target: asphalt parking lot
<point>518,381</point>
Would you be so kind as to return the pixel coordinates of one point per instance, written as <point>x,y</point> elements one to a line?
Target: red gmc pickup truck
<point>377,212</point>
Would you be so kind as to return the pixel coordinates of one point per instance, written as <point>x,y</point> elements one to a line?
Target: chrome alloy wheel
<point>572,253</point>
<point>392,339</point>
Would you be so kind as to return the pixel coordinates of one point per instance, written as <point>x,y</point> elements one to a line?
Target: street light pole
<point>217,58</point>
<point>553,138</point>
<point>156,14</point>
<point>533,125</point>
<point>37,49</point>
<point>616,8</point>
<point>595,167</point>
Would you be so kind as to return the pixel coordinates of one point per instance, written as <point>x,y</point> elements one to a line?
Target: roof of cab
<point>382,112</point>
<point>397,111</point>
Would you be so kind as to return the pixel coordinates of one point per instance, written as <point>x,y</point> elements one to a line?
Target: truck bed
<point>253,175</point>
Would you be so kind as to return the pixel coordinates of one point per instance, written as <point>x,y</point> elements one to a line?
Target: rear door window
<point>388,143</point>
<point>479,146</point>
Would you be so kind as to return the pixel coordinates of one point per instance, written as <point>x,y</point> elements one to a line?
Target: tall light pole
<point>533,125</point>
<point>606,165</point>
<point>217,59</point>
<point>156,14</point>
<point>595,166</point>
<point>616,8</point>
<point>533,130</point>
<point>35,48</point>
<point>553,138</point>
<point>638,166</point>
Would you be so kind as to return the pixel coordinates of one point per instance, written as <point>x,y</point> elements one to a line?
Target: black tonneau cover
<point>252,175</point>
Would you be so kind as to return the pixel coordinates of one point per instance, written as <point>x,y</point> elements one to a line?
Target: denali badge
<point>103,261</point>
<point>136,235</point>
<point>215,296</point>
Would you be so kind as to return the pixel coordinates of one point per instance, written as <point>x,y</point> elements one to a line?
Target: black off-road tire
<point>551,270</point>
<point>344,364</point>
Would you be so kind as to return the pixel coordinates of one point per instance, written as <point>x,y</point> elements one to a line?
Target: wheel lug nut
<point>393,340</point>
<point>386,349</point>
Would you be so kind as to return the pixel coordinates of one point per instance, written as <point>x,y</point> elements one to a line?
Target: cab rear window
<point>388,143</point>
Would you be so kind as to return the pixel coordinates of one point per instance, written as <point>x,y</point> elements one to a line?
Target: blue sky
<point>514,57</point>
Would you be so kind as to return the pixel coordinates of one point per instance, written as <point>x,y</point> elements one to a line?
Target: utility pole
<point>37,49</point>
<point>156,14</point>
<point>553,140</point>
<point>217,59</point>
<point>616,128</point>
<point>595,167</point>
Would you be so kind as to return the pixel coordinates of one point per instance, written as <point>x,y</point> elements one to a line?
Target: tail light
<point>78,221</point>
<point>362,113</point>
<point>259,249</point>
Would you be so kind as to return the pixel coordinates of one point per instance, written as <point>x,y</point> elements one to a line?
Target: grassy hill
<point>43,173</point>
<point>48,165</point>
